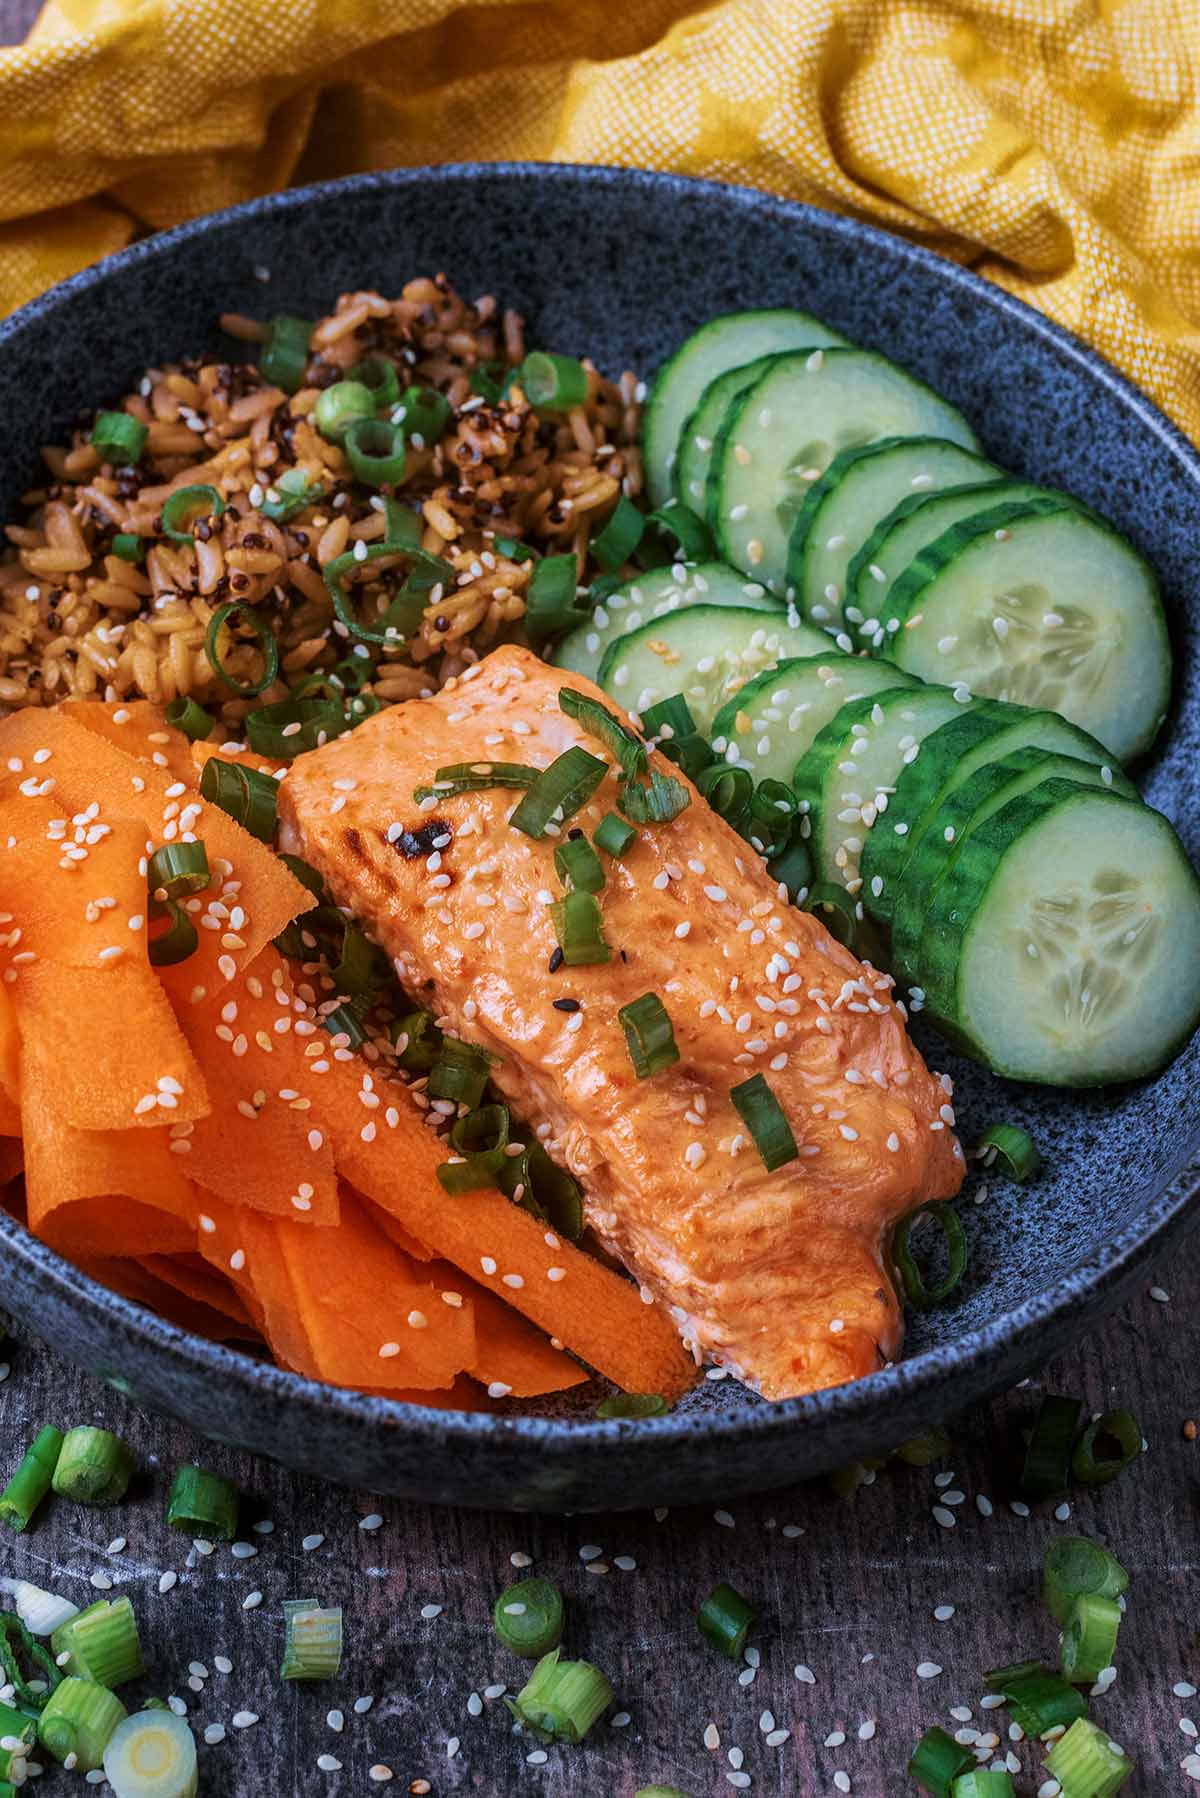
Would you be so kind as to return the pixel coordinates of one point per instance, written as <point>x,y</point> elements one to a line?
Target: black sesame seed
<point>574,835</point>
<point>565,1004</point>
<point>556,961</point>
<point>411,843</point>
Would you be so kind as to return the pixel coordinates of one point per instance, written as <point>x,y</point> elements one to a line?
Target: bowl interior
<point>620,267</point>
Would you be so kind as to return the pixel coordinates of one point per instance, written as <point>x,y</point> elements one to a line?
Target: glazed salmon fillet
<point>776,1276</point>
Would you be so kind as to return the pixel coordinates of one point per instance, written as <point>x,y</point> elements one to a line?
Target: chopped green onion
<point>378,374</point>
<point>477,777</point>
<point>361,967</point>
<point>203,1504</point>
<point>599,722</point>
<point>129,546</point>
<point>1073,1567</point>
<point>403,614</point>
<point>481,1139</point>
<point>285,354</point>
<point>1013,1148</point>
<point>400,525</point>
<point>613,835</point>
<point>186,507</point>
<point>418,1042</point>
<point>291,726</point>
<point>725,1619</point>
<point>1048,1457</point>
<point>613,546</point>
<point>558,792</point>
<point>835,908</point>
<point>579,930</point>
<point>152,1755</point>
<point>917,1291</point>
<point>1089,1641</point>
<point>1039,1700</point>
<point>649,1035</point>
<point>340,406</point>
<point>763,1117</point>
<point>937,1762</point>
<point>1086,1763</point>
<point>727,790</point>
<point>119,438</point>
<point>561,1699</point>
<point>793,869</point>
<point>375,451</point>
<point>293,493</point>
<point>31,1482</point>
<point>513,550</point>
<point>94,1467</point>
<point>101,1643</point>
<point>41,1612</point>
<point>460,1073</point>
<point>772,817</point>
<point>236,610</point>
<point>658,803</point>
<point>553,383</point>
<point>1108,1446</point>
<point>529,1618</point>
<point>165,948</point>
<point>659,1792</point>
<point>675,534</point>
<point>923,1450</point>
<point>550,607</point>
<point>670,718</point>
<point>18,1726</point>
<point>79,1719</point>
<point>250,798</point>
<point>628,1405</point>
<point>547,1191</point>
<point>346,1021</point>
<point>177,870</point>
<point>983,1782</point>
<point>484,382</point>
<point>578,866</point>
<point>16,1639</point>
<point>424,413</point>
<point>313,1647</point>
<point>185,715</point>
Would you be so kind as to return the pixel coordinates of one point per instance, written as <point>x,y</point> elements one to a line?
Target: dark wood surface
<point>852,1597</point>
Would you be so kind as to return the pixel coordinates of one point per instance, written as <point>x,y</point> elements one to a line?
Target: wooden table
<point>847,1589</point>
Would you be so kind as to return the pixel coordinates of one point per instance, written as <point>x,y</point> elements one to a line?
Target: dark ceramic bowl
<point>620,265</point>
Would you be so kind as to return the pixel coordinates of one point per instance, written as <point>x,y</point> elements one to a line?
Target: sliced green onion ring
<point>1048,1457</point>
<point>1074,1567</point>
<point>529,1618</point>
<point>553,383</point>
<point>177,941</point>
<point>649,1035</point>
<point>1089,1639</point>
<point>613,835</point>
<point>578,866</point>
<point>561,1699</point>
<point>79,1720</point>
<point>725,1619</point>
<point>94,1467</point>
<point>548,1192</point>
<point>237,611</point>
<point>424,413</point>
<point>461,1072</point>
<point>17,1641</point>
<point>293,493</point>
<point>599,722</point>
<point>669,718</point>
<point>379,375</point>
<point>185,715</point>
<point>763,1117</point>
<point>284,356</point>
<point>177,870</point>
<point>291,726</point>
<point>793,870</point>
<point>626,1406</point>
<point>119,438</point>
<point>614,545</point>
<point>835,908</point>
<point>550,598</point>
<point>983,1782</point>
<point>375,451</point>
<point>129,546</point>
<point>1012,1148</point>
<point>152,1755</point>
<point>513,550</point>
<point>655,802</point>
<point>101,1644</point>
<point>403,615</point>
<point>917,1291</point>
<point>1108,1446</point>
<point>727,790</point>
<point>346,1020</point>
<point>313,1644</point>
<point>418,1042</point>
<point>558,792</point>
<point>1086,1763</point>
<point>204,1504</point>
<point>339,406</point>
<point>250,798</point>
<point>184,509</point>
<point>937,1762</point>
<point>578,928</point>
<point>674,534</point>
<point>31,1482</point>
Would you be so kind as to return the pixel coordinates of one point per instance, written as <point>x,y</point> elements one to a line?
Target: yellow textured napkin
<point>1051,144</point>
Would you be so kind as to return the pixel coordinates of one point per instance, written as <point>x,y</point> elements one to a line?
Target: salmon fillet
<point>776,1276</point>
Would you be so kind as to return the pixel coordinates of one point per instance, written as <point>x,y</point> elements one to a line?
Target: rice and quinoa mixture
<point>78,620</point>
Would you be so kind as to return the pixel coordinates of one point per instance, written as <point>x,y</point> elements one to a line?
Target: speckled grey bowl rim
<point>942,1378</point>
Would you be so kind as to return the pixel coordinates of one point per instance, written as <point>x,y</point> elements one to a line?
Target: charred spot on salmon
<point>424,840</point>
<point>354,843</point>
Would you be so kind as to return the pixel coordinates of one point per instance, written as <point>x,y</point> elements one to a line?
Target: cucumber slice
<point>700,431</point>
<point>965,807</point>
<point>1043,604</point>
<point>904,533</point>
<point>1063,945</point>
<point>721,344</point>
<point>655,594</point>
<point>769,725</point>
<point>849,772</point>
<point>781,434</point>
<point>704,652</point>
<point>986,731</point>
<point>861,486</point>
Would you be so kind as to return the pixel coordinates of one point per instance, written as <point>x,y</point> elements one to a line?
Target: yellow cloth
<point>1051,144</point>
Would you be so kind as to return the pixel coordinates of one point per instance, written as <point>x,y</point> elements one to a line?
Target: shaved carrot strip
<point>204,752</point>
<point>403,1239</point>
<point>509,1350</point>
<point>12,1155</point>
<point>133,1280</point>
<point>191,1275</point>
<point>244,1246</point>
<point>253,1148</point>
<point>107,1047</point>
<point>137,727</point>
<point>465,1394</point>
<point>82,913</point>
<point>368,1314</point>
<point>10,1048</point>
